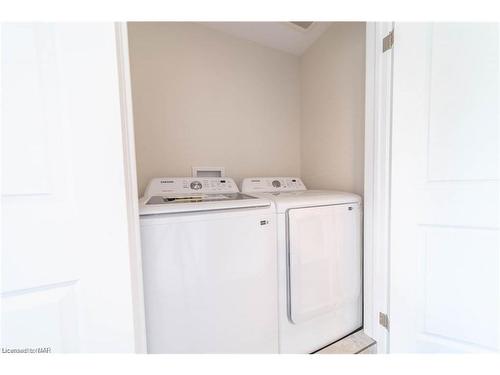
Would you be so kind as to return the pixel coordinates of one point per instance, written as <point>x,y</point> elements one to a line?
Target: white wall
<point>204,98</point>
<point>332,109</point>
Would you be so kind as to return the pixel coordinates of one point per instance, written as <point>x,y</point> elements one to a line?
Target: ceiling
<point>283,36</point>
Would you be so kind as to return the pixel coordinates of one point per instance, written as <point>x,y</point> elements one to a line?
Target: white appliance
<point>319,258</point>
<point>210,268</point>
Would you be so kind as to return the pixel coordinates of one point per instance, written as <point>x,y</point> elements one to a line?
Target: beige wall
<point>332,109</point>
<point>205,98</point>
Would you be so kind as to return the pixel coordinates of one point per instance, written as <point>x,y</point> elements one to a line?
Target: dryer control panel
<point>190,185</point>
<point>271,184</point>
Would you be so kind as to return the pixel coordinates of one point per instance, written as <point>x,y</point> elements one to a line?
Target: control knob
<point>196,185</point>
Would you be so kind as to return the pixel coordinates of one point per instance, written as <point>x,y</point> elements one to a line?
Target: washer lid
<point>195,203</point>
<point>307,198</point>
<point>192,194</point>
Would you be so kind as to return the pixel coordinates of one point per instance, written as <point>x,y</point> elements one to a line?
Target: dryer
<point>319,262</point>
<point>209,268</point>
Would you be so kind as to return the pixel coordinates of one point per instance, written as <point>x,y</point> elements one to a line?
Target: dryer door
<point>324,259</point>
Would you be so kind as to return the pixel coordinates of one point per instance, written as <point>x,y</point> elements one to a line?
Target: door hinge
<point>388,41</point>
<point>383,320</point>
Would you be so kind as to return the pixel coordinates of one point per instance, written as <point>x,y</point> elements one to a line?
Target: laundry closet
<point>249,150</point>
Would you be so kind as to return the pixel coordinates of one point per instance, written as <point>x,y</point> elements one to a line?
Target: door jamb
<point>378,118</point>
<point>124,80</point>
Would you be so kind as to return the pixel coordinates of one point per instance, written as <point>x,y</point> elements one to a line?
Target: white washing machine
<point>210,268</point>
<point>319,262</point>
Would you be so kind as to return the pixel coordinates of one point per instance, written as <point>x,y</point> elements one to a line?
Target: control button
<point>276,184</point>
<point>196,185</point>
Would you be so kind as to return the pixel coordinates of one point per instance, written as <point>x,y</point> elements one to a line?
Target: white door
<point>444,281</point>
<point>66,279</point>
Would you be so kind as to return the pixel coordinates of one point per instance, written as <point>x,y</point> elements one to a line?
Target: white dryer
<point>320,262</point>
<point>210,268</point>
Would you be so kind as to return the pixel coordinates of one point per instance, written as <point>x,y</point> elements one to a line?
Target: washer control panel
<point>190,185</point>
<point>271,184</point>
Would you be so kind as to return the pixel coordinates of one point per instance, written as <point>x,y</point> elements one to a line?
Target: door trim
<point>128,141</point>
<point>378,99</point>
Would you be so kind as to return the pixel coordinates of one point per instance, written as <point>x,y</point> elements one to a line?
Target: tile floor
<point>356,343</point>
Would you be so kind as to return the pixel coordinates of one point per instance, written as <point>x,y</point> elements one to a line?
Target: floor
<point>356,343</point>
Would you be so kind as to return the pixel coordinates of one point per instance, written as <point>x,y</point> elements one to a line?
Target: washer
<point>319,262</point>
<point>210,268</point>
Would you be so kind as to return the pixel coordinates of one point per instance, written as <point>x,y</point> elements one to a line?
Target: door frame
<point>377,177</point>
<point>132,203</point>
<point>378,90</point>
